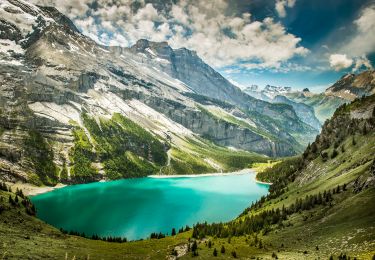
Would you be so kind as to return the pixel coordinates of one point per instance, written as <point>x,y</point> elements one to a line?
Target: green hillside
<point>320,205</point>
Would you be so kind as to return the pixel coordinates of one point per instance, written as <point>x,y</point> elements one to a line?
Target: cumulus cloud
<point>363,40</point>
<point>360,44</point>
<point>362,62</point>
<point>281,5</point>
<point>203,26</point>
<point>340,61</point>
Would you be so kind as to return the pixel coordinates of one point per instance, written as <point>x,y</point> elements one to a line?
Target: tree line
<point>95,236</point>
<point>265,219</point>
<point>18,200</point>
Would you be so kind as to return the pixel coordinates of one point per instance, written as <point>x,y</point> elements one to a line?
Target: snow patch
<point>162,60</point>
<point>8,45</point>
<point>151,52</point>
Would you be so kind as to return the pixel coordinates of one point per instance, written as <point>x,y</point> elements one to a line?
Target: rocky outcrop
<point>351,86</point>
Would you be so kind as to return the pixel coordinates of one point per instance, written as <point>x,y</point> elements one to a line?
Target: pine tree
<point>222,249</point>
<point>364,129</point>
<point>353,141</point>
<point>194,247</point>
<point>234,254</point>
<point>11,201</point>
<point>173,232</point>
<point>215,252</point>
<point>334,153</point>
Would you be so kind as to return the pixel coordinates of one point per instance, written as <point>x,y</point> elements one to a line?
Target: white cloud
<point>202,26</point>
<point>362,62</point>
<point>235,83</point>
<point>363,40</point>
<point>340,61</point>
<point>281,5</point>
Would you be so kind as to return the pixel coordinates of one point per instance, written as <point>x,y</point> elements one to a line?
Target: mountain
<point>75,111</point>
<point>186,66</point>
<point>324,105</point>
<point>318,202</point>
<point>346,89</point>
<point>280,95</point>
<point>268,93</point>
<point>303,111</point>
<point>351,86</point>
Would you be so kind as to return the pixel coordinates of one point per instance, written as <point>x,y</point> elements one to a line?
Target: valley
<point>145,151</point>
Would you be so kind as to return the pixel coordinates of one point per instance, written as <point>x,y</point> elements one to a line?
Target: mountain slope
<point>56,82</point>
<point>324,105</point>
<point>351,86</point>
<point>320,204</point>
<point>280,95</point>
<point>305,112</point>
<point>187,67</point>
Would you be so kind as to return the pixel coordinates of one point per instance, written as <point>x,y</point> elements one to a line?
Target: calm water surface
<point>134,208</point>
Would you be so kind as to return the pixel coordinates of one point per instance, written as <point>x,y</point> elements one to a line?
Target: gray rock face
<point>186,66</point>
<point>351,86</point>
<point>220,131</point>
<point>9,31</point>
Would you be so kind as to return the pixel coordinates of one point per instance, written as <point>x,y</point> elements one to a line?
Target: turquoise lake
<point>134,208</point>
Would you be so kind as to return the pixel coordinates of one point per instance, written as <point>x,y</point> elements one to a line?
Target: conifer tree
<point>194,247</point>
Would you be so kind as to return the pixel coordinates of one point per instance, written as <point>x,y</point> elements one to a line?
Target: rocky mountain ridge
<point>352,86</point>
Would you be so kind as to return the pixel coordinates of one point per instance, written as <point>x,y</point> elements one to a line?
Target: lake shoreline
<point>240,172</point>
<point>32,190</point>
<point>135,208</point>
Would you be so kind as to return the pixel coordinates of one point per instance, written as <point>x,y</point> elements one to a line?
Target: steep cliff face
<point>187,67</point>
<point>226,130</point>
<point>55,83</point>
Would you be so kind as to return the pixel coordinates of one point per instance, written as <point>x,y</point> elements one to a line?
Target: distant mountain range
<point>346,89</point>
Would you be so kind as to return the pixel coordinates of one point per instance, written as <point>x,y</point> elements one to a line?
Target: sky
<point>295,43</point>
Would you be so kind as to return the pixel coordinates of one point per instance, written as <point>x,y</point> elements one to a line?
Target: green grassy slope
<point>309,227</point>
<point>305,216</point>
<point>199,155</point>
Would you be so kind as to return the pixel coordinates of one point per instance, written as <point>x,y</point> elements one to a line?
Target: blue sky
<point>296,43</point>
<point>324,27</point>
